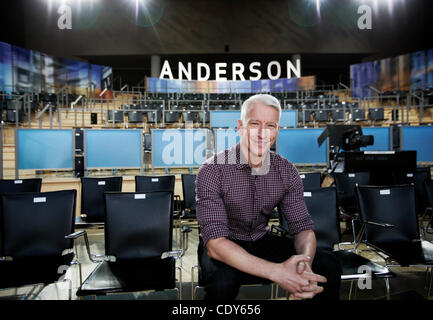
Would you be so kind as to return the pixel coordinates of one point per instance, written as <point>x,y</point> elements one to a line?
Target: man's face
<point>260,130</point>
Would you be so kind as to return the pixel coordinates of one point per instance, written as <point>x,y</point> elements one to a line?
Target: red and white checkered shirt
<point>233,202</point>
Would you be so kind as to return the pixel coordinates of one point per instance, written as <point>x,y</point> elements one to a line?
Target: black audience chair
<point>345,184</point>
<point>92,199</point>
<point>188,188</point>
<point>304,116</point>
<point>189,116</point>
<point>338,115</point>
<point>204,116</point>
<point>114,116</point>
<point>153,116</point>
<point>135,117</point>
<point>171,117</point>
<point>33,227</point>
<point>138,246</point>
<point>358,114</point>
<point>322,207</point>
<point>161,183</point>
<point>376,114</point>
<point>390,227</point>
<point>20,185</point>
<point>321,115</point>
<point>428,186</point>
<point>418,178</point>
<point>422,174</point>
<point>311,180</point>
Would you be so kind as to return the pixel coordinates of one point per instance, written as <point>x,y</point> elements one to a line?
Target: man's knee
<point>223,284</point>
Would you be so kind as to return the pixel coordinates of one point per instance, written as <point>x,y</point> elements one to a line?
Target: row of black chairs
<point>37,228</point>
<point>341,115</point>
<point>124,249</point>
<point>157,116</point>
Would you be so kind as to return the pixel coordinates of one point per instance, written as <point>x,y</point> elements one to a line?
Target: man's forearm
<point>285,274</point>
<point>305,243</point>
<point>229,252</point>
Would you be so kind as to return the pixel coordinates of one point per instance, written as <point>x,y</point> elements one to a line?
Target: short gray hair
<point>266,99</point>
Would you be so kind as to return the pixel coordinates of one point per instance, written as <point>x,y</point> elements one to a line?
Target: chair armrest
<point>83,233</point>
<point>76,235</point>
<point>383,225</point>
<point>172,254</point>
<point>363,228</point>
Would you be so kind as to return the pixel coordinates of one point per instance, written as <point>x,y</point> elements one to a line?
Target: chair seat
<point>408,253</point>
<point>23,272</point>
<point>350,262</point>
<point>129,276</point>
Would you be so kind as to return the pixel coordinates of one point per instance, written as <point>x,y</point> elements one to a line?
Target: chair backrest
<point>322,207</point>
<point>92,195</point>
<point>138,225</point>
<point>154,183</point>
<point>345,184</point>
<point>34,225</point>
<point>312,180</point>
<point>393,205</point>
<point>418,178</point>
<point>428,186</point>
<point>321,115</point>
<point>188,188</point>
<point>23,185</point>
<point>376,114</point>
<point>358,114</point>
<point>422,174</point>
<point>338,115</point>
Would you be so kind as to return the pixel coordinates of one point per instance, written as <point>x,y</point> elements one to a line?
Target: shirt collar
<point>242,162</point>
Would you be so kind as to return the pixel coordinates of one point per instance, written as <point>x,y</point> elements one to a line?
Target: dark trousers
<point>222,282</point>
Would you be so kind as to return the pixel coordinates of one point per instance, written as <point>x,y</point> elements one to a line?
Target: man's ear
<point>240,127</point>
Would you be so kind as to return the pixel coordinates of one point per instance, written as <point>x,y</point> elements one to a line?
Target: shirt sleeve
<point>293,205</point>
<point>210,208</point>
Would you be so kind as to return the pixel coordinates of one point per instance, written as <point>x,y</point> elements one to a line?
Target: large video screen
<point>23,70</point>
<point>5,68</point>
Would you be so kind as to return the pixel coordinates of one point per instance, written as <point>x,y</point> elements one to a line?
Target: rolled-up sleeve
<point>210,208</point>
<point>293,205</point>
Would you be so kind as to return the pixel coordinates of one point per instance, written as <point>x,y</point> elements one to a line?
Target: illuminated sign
<point>274,71</point>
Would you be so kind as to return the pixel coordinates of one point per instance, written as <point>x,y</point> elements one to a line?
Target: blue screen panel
<point>419,139</point>
<point>224,119</point>
<point>300,146</point>
<point>288,119</point>
<point>418,70</point>
<point>113,148</point>
<point>381,139</point>
<point>225,138</point>
<point>44,149</point>
<point>182,148</point>
<point>5,67</point>
<point>430,68</point>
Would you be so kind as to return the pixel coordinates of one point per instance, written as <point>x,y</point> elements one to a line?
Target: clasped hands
<point>296,276</point>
